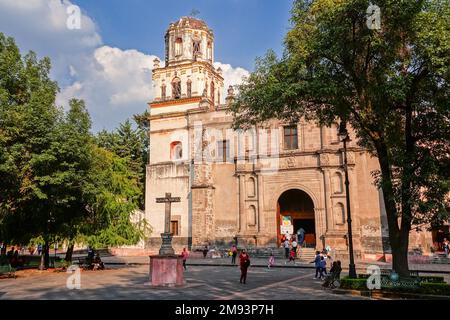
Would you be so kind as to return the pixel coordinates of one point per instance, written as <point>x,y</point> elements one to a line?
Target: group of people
<point>12,257</point>
<point>290,246</point>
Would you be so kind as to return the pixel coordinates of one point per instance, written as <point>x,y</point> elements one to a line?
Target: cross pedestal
<point>166,268</point>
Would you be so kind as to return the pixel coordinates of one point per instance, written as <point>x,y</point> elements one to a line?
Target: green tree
<point>113,200</point>
<point>28,117</point>
<point>130,144</point>
<point>391,85</point>
<point>56,182</point>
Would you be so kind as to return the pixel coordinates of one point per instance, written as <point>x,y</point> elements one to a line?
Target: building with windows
<point>253,186</point>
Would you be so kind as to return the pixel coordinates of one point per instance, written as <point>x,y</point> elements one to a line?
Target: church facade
<point>249,187</point>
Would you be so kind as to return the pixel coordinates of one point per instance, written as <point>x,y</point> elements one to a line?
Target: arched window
<point>337,183</point>
<point>251,187</point>
<point>178,47</point>
<point>189,88</point>
<point>339,213</point>
<point>176,88</point>
<point>176,150</point>
<point>251,216</point>
<point>212,91</point>
<point>196,50</point>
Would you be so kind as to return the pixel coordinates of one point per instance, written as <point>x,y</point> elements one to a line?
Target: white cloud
<point>115,83</point>
<point>232,76</point>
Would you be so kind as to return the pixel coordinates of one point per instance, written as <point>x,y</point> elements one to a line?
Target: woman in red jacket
<point>244,262</point>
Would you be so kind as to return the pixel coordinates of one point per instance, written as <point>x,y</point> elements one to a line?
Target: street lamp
<point>344,137</point>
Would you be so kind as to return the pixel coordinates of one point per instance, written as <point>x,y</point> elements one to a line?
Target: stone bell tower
<point>186,85</point>
<point>188,74</point>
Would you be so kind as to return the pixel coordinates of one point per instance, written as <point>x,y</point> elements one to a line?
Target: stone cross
<point>166,246</point>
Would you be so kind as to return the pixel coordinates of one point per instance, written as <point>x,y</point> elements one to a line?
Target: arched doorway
<point>295,210</point>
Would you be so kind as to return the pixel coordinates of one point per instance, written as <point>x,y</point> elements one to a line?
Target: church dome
<point>188,40</point>
<point>189,22</point>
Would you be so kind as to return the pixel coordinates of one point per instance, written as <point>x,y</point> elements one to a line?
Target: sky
<point>108,61</point>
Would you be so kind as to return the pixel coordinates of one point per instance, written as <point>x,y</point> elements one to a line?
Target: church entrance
<point>295,210</point>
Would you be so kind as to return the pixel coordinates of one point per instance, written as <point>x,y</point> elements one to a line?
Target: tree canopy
<point>391,85</point>
<point>57,182</point>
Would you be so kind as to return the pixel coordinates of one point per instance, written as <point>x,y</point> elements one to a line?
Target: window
<point>251,187</point>
<point>163,92</point>
<point>290,138</point>
<point>196,47</point>
<point>176,88</point>
<point>178,47</point>
<point>174,227</point>
<point>337,182</point>
<point>189,88</point>
<point>251,216</point>
<point>176,150</point>
<point>212,91</point>
<point>339,214</point>
<point>223,148</point>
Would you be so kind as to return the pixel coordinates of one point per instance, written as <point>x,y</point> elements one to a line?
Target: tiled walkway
<point>202,282</point>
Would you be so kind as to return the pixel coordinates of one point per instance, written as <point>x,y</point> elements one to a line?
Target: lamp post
<point>344,137</point>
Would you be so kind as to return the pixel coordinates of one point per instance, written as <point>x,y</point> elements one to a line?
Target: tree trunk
<point>398,238</point>
<point>42,264</point>
<point>69,252</point>
<point>400,256</point>
<point>46,255</point>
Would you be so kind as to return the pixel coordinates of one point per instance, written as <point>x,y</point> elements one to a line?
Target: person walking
<point>286,248</point>
<point>294,246</point>
<point>205,251</point>
<point>271,260</point>
<point>233,254</point>
<point>323,267</point>
<point>184,256</point>
<point>244,262</point>
<point>446,244</point>
<point>301,236</point>
<point>316,262</point>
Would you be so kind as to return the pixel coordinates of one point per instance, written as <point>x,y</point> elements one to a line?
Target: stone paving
<point>433,269</point>
<point>202,282</point>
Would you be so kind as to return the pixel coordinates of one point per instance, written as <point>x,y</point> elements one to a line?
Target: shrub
<point>442,289</point>
<point>354,284</point>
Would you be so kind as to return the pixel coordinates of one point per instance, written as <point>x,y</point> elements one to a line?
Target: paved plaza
<point>202,282</point>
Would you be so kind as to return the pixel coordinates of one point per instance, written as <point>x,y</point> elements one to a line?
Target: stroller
<point>332,280</point>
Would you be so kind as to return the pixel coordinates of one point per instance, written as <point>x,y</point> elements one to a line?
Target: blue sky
<point>243,29</point>
<point>108,62</point>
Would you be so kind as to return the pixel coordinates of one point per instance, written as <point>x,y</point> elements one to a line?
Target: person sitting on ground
<point>97,263</point>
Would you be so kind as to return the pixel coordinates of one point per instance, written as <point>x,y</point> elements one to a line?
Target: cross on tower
<point>194,13</point>
<point>166,246</point>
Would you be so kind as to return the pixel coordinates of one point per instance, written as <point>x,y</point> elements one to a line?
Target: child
<point>323,267</point>
<point>271,260</point>
<point>292,255</point>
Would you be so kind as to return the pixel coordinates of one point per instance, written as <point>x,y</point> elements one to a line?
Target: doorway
<point>296,206</point>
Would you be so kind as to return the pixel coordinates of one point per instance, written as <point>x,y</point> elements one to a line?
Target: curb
<point>386,294</point>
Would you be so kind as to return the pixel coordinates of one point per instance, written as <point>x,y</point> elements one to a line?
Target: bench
<point>7,269</point>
